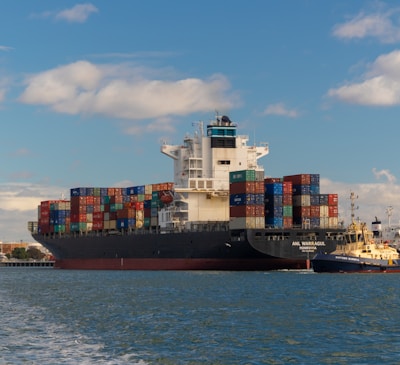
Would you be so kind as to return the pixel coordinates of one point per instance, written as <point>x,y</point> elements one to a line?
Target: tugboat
<point>361,252</point>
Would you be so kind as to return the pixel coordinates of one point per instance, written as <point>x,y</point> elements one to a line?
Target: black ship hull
<point>214,250</point>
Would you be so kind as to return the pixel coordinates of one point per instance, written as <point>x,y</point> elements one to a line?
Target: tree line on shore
<point>20,253</point>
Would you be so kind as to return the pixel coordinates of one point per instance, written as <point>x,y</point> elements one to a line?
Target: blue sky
<point>89,90</point>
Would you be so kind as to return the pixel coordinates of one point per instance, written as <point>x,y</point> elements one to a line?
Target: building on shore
<point>6,248</point>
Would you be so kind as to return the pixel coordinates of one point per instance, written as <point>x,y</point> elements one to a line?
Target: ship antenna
<point>217,116</point>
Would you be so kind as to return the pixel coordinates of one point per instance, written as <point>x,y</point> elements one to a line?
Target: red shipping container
<point>314,211</point>
<point>259,187</point>
<point>300,179</point>
<point>98,225</point>
<point>259,210</point>
<point>287,199</point>
<point>74,217</point>
<point>45,221</point>
<point>287,187</point>
<point>333,211</point>
<point>89,200</point>
<point>98,216</point>
<point>44,213</point>
<point>242,211</point>
<point>245,187</point>
<point>333,199</point>
<point>96,208</point>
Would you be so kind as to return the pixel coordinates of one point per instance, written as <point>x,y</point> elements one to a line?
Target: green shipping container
<point>242,176</point>
<point>59,228</point>
<point>288,211</point>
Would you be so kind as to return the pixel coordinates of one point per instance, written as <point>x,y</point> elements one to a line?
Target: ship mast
<point>389,211</point>
<point>353,198</point>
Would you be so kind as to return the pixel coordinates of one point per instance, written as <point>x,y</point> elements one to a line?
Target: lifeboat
<point>166,196</point>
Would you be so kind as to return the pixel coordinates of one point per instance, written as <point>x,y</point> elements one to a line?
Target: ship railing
<point>210,226</point>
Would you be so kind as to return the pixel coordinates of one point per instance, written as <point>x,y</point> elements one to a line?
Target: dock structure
<point>26,263</point>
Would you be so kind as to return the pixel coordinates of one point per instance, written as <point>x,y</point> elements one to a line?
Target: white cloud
<point>379,86</point>
<point>123,92</point>
<point>25,196</point>
<point>385,173</point>
<point>18,205</point>
<point>5,48</point>
<point>373,199</point>
<point>384,26</point>
<point>77,14</point>
<point>280,109</point>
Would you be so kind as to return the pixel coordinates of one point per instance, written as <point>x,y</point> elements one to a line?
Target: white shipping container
<point>323,211</point>
<point>333,222</point>
<point>324,222</point>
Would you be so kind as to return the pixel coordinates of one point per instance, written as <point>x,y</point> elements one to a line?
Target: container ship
<point>220,212</point>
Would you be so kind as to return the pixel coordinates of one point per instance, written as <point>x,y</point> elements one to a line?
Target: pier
<point>26,263</point>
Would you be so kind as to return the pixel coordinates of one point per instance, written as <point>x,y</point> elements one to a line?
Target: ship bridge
<point>202,165</point>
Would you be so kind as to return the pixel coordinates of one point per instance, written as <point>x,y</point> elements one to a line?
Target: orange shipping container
<point>287,222</point>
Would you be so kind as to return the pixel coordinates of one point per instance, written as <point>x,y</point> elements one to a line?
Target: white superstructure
<point>201,173</point>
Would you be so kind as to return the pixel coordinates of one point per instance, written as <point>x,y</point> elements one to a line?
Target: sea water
<point>53,316</point>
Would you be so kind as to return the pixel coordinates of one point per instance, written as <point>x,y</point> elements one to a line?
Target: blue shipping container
<point>274,222</point>
<point>242,199</point>
<point>274,188</point>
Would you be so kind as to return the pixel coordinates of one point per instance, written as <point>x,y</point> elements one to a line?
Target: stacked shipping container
<point>255,202</point>
<point>96,209</point>
<point>54,216</point>
<point>278,203</point>
<point>295,200</point>
<point>246,199</point>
